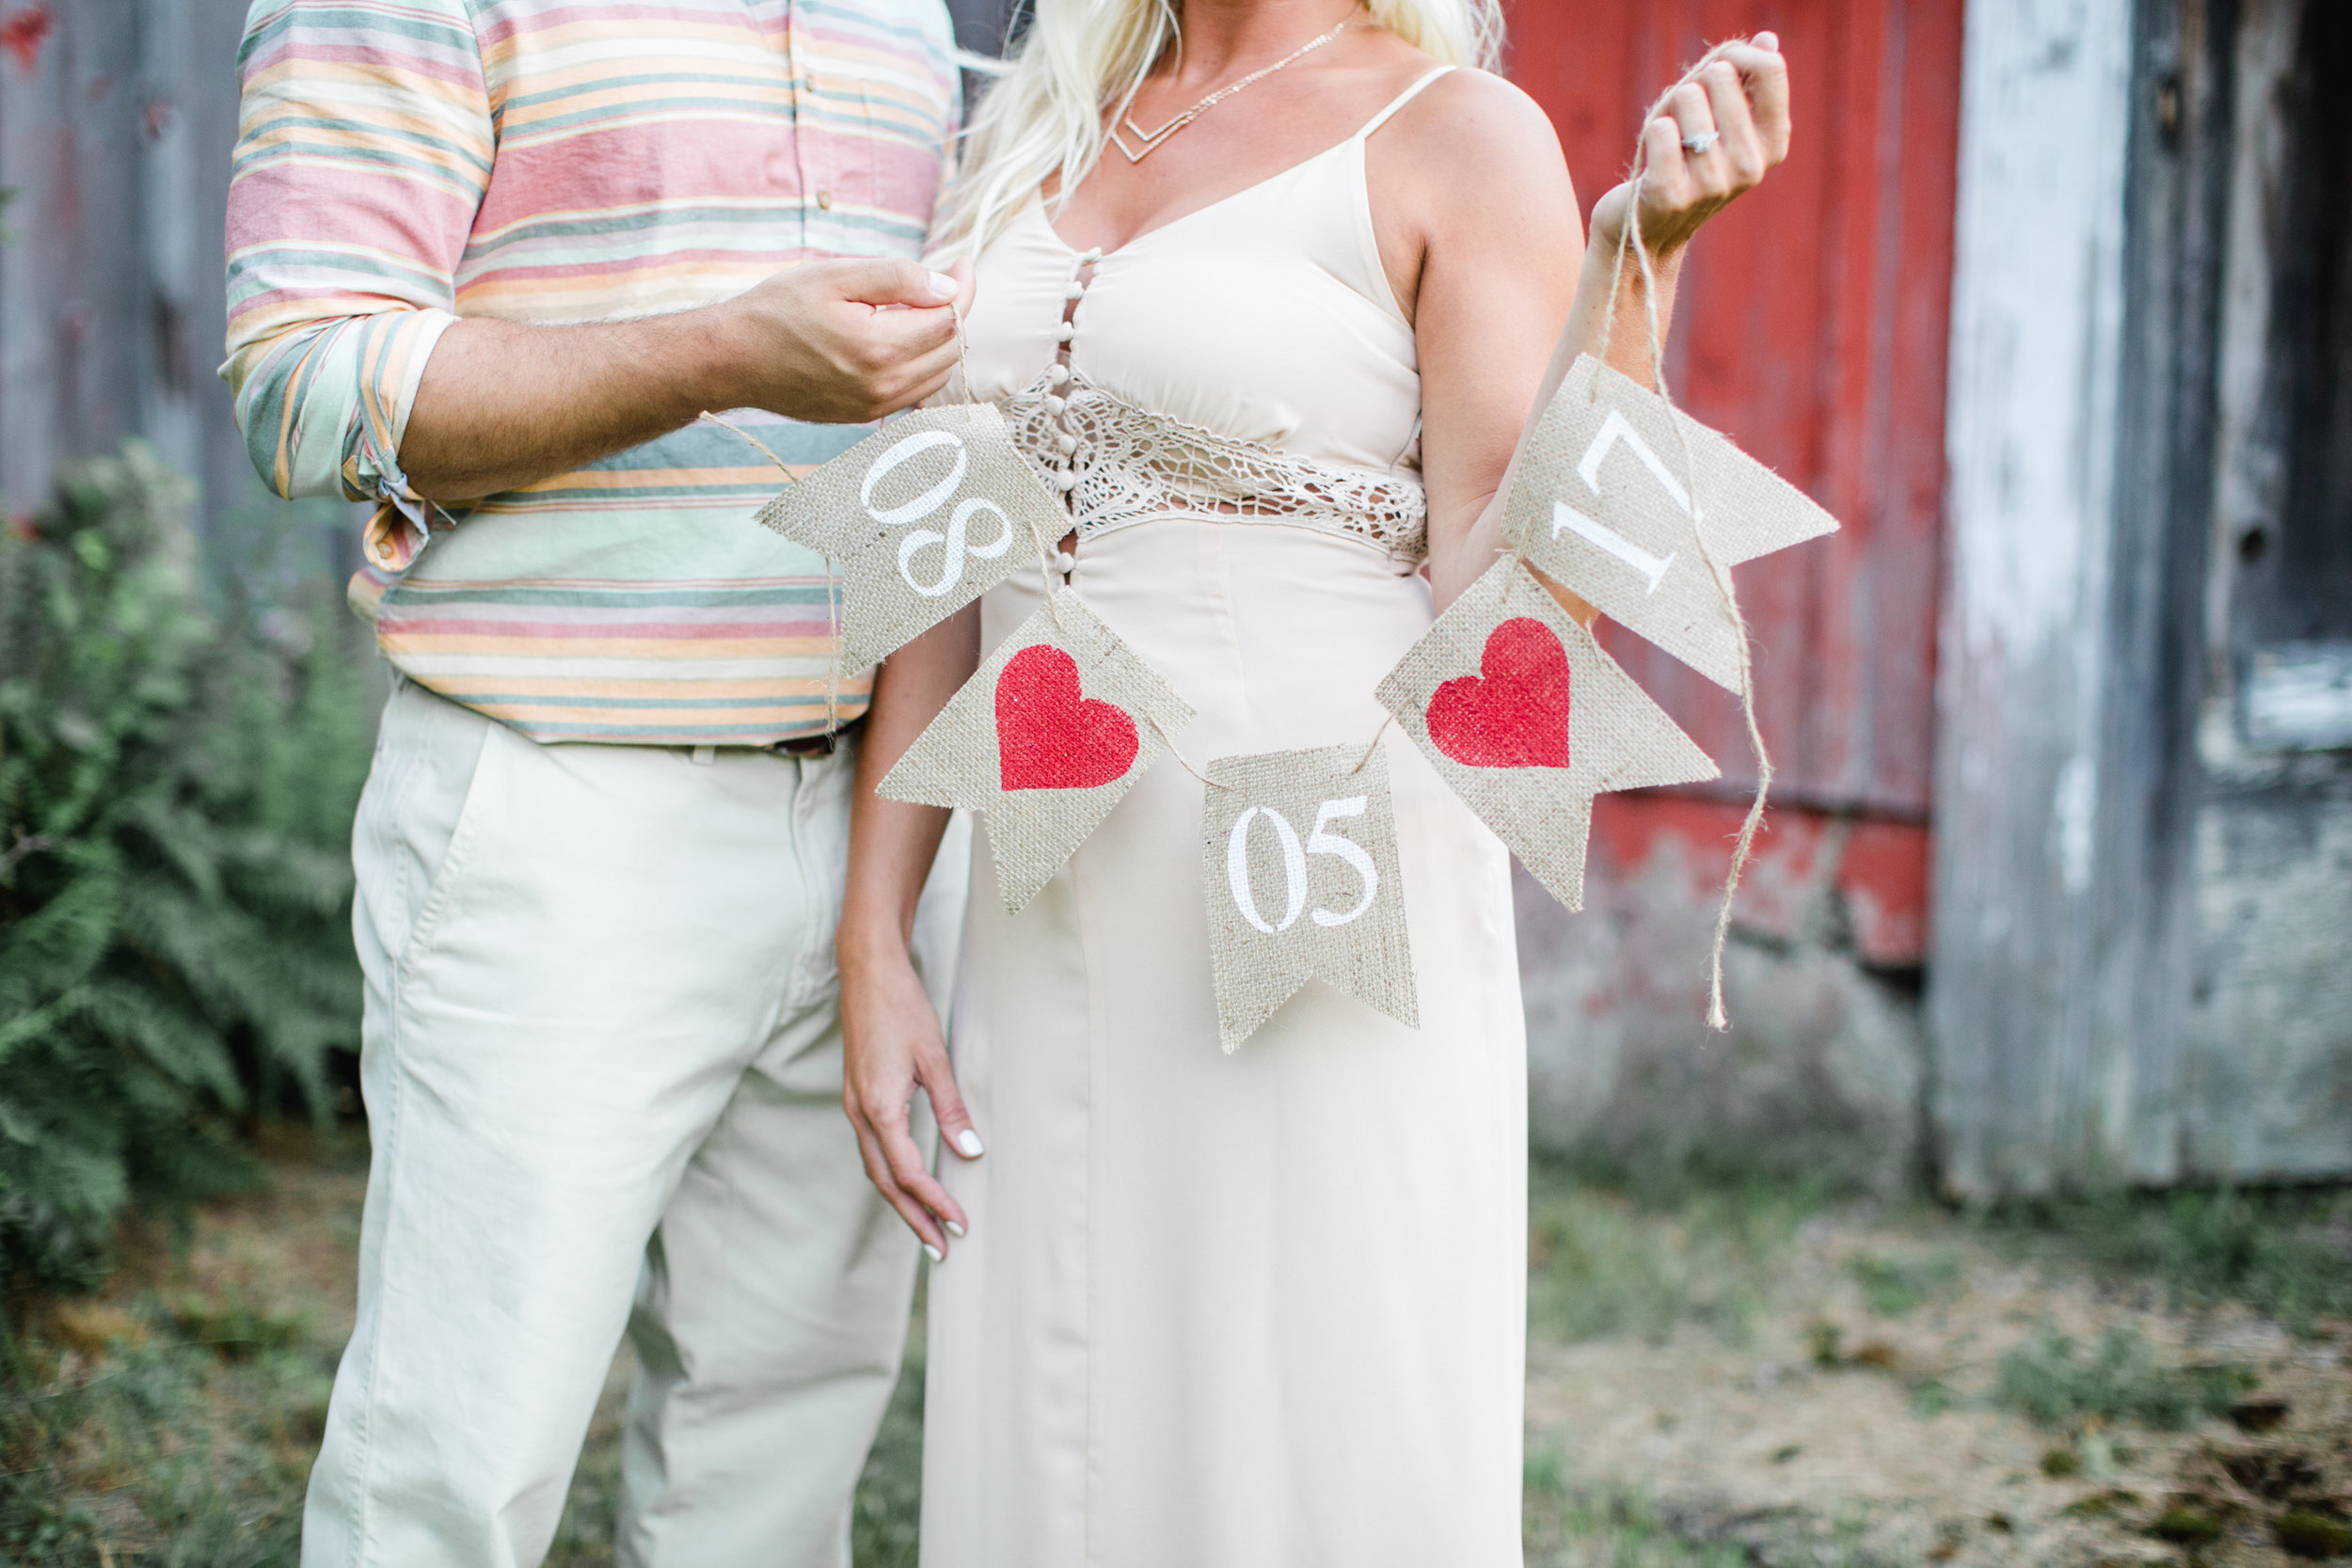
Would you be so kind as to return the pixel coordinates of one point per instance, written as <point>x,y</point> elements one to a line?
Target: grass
<point>1567,1528</point>
<point>188,1455</point>
<point>183,1437</point>
<point>1897,1284</point>
<point>2058,1382</point>
<point>1604,1261</point>
<point>177,1428</point>
<point>2286,1254</point>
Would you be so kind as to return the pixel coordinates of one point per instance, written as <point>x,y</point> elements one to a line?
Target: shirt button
<point>824,200</point>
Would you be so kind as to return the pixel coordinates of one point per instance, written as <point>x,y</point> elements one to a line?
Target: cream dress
<point>1263,1310</point>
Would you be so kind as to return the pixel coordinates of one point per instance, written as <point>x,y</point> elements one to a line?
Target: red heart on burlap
<point>1051,737</point>
<point>1514,712</point>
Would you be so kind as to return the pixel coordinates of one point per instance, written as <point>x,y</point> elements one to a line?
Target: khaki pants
<point>602,1061</point>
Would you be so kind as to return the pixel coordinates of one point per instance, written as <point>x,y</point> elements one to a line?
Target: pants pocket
<point>445,873</point>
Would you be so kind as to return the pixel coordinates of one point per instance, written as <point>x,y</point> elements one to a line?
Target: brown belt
<point>821,745</point>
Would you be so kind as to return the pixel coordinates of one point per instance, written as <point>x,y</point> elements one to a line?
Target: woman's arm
<point>891,1042</point>
<point>1502,251</point>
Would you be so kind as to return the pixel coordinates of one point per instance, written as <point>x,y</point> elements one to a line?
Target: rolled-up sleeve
<point>364,144</point>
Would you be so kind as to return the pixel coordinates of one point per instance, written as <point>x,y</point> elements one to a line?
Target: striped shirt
<point>402,162</point>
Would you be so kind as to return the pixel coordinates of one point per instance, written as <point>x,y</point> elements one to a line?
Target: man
<point>511,250</point>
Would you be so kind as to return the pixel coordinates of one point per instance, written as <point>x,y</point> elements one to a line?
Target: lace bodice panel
<point>1246,361</point>
<point>1120,464</point>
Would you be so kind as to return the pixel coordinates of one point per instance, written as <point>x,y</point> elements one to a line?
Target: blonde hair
<point>1081,62</point>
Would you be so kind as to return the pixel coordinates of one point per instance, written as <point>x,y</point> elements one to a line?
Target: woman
<point>1262,1310</point>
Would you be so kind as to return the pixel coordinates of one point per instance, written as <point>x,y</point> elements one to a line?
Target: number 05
<point>1294,864</point>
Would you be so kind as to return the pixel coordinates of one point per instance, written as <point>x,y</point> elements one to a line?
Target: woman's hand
<point>1739,98</point>
<point>890,1046</point>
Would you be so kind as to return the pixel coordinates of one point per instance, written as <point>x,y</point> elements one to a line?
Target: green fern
<point>175,804</point>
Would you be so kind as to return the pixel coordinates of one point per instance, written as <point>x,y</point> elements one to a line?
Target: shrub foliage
<point>176,792</point>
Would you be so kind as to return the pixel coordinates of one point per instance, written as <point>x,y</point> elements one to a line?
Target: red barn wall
<point>1812,330</point>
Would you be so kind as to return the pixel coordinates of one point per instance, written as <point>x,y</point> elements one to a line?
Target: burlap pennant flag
<point>1298,862</point>
<point>923,518</point>
<point>1528,720</point>
<point>1044,738</point>
<point>1602,504</point>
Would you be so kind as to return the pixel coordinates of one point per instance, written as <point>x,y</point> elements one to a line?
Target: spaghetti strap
<point>1400,101</point>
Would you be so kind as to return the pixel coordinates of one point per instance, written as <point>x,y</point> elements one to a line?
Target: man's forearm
<point>504,404</point>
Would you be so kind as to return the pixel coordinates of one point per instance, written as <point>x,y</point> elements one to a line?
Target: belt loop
<point>706,755</point>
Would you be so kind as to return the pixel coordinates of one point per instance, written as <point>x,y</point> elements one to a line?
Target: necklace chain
<point>1149,142</point>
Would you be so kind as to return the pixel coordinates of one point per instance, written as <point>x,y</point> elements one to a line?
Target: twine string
<point>752,441</point>
<point>1631,237</point>
<point>963,351</point>
<point>1169,739</point>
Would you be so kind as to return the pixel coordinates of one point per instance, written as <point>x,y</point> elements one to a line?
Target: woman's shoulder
<point>1474,124</point>
<point>1474,157</point>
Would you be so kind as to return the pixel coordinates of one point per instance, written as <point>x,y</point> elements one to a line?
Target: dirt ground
<point>1835,1431</point>
<point>1711,1381</point>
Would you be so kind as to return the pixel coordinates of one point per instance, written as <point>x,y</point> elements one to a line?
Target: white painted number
<point>1294,864</point>
<point>955,544</point>
<point>1321,843</point>
<point>1650,566</point>
<point>1613,430</point>
<point>1294,868</point>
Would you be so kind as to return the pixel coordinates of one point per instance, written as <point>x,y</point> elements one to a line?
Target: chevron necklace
<point>1149,142</point>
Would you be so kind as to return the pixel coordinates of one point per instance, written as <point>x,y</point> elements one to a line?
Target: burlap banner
<point>1298,862</point>
<point>1043,738</point>
<point>923,518</point>
<point>1601,505</point>
<point>1528,720</point>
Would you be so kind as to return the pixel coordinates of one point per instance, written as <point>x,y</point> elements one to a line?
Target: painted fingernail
<point>956,1230</point>
<point>968,1142</point>
<point>942,286</point>
<point>937,1255</point>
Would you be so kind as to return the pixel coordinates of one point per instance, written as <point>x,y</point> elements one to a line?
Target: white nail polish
<point>937,1255</point>
<point>943,285</point>
<point>956,1230</point>
<point>969,1143</point>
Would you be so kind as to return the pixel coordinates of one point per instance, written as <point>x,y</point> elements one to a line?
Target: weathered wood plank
<point>115,122</point>
<point>2267,1069</point>
<point>2026,1085</point>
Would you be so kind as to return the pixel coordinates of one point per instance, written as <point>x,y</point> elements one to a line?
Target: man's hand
<point>504,404</point>
<point>843,342</point>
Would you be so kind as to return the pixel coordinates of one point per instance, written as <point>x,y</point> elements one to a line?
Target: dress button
<point>824,200</point>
